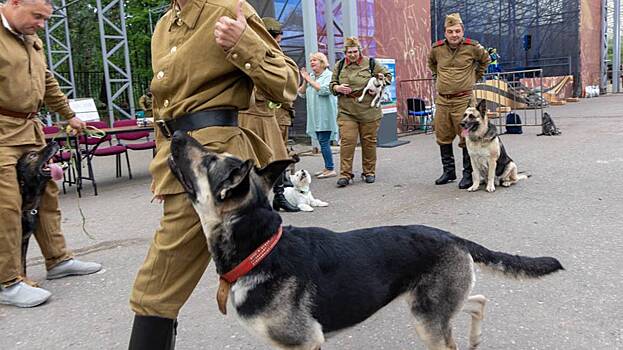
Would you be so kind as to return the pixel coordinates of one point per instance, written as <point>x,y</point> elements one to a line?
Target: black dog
<point>33,174</point>
<point>315,281</point>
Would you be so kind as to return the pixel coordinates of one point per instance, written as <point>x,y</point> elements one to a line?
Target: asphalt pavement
<point>570,208</point>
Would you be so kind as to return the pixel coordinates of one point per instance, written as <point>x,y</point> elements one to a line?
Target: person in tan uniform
<point>261,119</point>
<point>25,85</point>
<point>206,58</point>
<point>456,63</point>
<point>145,102</point>
<point>356,118</point>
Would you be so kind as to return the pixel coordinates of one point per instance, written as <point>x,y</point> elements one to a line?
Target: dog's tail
<point>516,266</point>
<point>523,176</point>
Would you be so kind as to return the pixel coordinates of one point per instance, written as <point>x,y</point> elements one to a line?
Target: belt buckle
<point>164,128</point>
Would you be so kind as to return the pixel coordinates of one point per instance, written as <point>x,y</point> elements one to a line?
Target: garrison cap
<point>272,24</point>
<point>453,19</point>
<point>351,42</point>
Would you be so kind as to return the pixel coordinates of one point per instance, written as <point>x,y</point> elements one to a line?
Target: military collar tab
<point>189,15</point>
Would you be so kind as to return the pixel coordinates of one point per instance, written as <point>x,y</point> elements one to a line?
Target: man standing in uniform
<point>456,63</point>
<point>261,119</point>
<point>145,102</point>
<point>356,118</point>
<point>206,57</point>
<point>25,86</point>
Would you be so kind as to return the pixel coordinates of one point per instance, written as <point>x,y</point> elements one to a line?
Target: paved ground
<point>570,208</point>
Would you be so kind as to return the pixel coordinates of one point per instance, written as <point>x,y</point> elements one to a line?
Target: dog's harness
<point>251,261</point>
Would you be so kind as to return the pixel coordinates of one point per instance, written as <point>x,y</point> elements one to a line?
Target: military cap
<point>351,42</point>
<point>272,24</point>
<point>453,19</point>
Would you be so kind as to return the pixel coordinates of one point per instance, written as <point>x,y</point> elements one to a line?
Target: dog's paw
<point>506,184</point>
<point>321,204</point>
<point>305,207</point>
<point>473,188</point>
<point>491,188</point>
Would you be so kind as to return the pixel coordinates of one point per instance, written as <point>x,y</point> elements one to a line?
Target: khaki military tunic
<point>145,103</point>
<point>284,119</point>
<point>455,72</point>
<point>192,73</point>
<point>357,75</point>
<point>25,85</point>
<point>260,118</point>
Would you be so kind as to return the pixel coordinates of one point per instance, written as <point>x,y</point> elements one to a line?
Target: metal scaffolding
<point>115,57</point>
<point>58,44</point>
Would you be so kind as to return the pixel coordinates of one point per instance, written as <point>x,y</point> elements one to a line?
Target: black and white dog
<point>33,174</point>
<point>316,281</point>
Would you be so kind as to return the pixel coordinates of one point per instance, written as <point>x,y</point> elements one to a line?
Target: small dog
<point>313,281</point>
<point>300,195</point>
<point>376,86</point>
<point>33,174</point>
<point>486,151</point>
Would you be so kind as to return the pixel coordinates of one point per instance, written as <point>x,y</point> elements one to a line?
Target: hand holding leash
<point>228,31</point>
<point>77,124</point>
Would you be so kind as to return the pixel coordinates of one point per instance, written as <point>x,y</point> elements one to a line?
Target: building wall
<point>590,42</point>
<point>403,32</point>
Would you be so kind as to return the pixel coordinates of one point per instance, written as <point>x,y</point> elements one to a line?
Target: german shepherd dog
<point>316,281</point>
<point>33,174</point>
<point>486,151</point>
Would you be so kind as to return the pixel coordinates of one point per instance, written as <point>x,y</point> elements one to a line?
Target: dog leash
<point>89,131</point>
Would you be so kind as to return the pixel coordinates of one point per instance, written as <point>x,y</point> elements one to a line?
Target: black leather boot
<point>447,160</point>
<point>466,181</point>
<point>153,333</point>
<point>279,201</point>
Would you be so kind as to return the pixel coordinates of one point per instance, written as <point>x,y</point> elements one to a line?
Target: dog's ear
<point>237,182</point>
<point>271,172</point>
<point>482,107</point>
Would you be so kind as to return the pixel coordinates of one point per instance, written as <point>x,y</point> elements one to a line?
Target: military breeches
<point>367,132</point>
<point>48,232</point>
<point>177,258</point>
<point>284,134</point>
<point>448,115</point>
<point>268,130</point>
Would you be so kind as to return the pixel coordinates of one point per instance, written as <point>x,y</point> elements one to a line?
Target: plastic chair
<point>133,136</point>
<point>417,108</point>
<point>100,149</point>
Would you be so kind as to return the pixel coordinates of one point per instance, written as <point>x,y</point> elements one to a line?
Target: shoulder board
<point>438,43</point>
<point>470,41</point>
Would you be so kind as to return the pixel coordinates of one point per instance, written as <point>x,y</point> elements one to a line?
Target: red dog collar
<point>253,259</point>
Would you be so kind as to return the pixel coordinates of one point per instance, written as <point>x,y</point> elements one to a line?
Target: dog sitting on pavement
<point>291,286</point>
<point>486,151</point>
<point>376,86</point>
<point>300,195</point>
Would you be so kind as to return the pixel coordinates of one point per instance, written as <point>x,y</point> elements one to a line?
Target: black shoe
<point>343,182</point>
<point>153,333</point>
<point>447,161</point>
<point>368,178</point>
<point>280,202</point>
<point>466,181</point>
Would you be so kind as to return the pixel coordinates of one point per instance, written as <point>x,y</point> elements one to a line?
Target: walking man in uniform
<point>356,118</point>
<point>456,63</point>
<point>206,56</point>
<point>25,85</point>
<point>262,120</point>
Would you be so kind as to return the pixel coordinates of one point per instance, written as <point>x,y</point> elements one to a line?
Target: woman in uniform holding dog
<point>356,118</point>
<point>206,58</point>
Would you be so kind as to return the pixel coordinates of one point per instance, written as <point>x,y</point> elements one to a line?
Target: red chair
<point>100,149</point>
<point>133,136</point>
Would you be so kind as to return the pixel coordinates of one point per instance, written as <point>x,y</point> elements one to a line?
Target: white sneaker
<point>22,295</point>
<point>73,267</point>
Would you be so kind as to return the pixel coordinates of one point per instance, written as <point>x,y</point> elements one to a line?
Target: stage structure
<point>58,45</point>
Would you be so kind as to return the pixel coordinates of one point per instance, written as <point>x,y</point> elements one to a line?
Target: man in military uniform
<point>356,118</point>
<point>145,102</point>
<point>206,58</point>
<point>261,119</point>
<point>25,86</point>
<point>456,63</point>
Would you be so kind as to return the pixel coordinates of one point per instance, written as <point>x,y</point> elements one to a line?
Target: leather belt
<point>198,120</point>
<point>458,94</point>
<point>20,115</point>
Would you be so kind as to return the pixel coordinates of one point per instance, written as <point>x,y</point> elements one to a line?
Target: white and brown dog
<point>486,151</point>
<point>376,86</point>
<point>300,195</point>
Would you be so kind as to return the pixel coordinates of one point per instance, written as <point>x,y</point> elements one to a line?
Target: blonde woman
<point>321,109</point>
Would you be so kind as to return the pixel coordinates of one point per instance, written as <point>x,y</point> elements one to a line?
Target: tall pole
<point>309,29</point>
<point>328,19</point>
<point>616,53</point>
<point>349,18</point>
<point>603,81</point>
